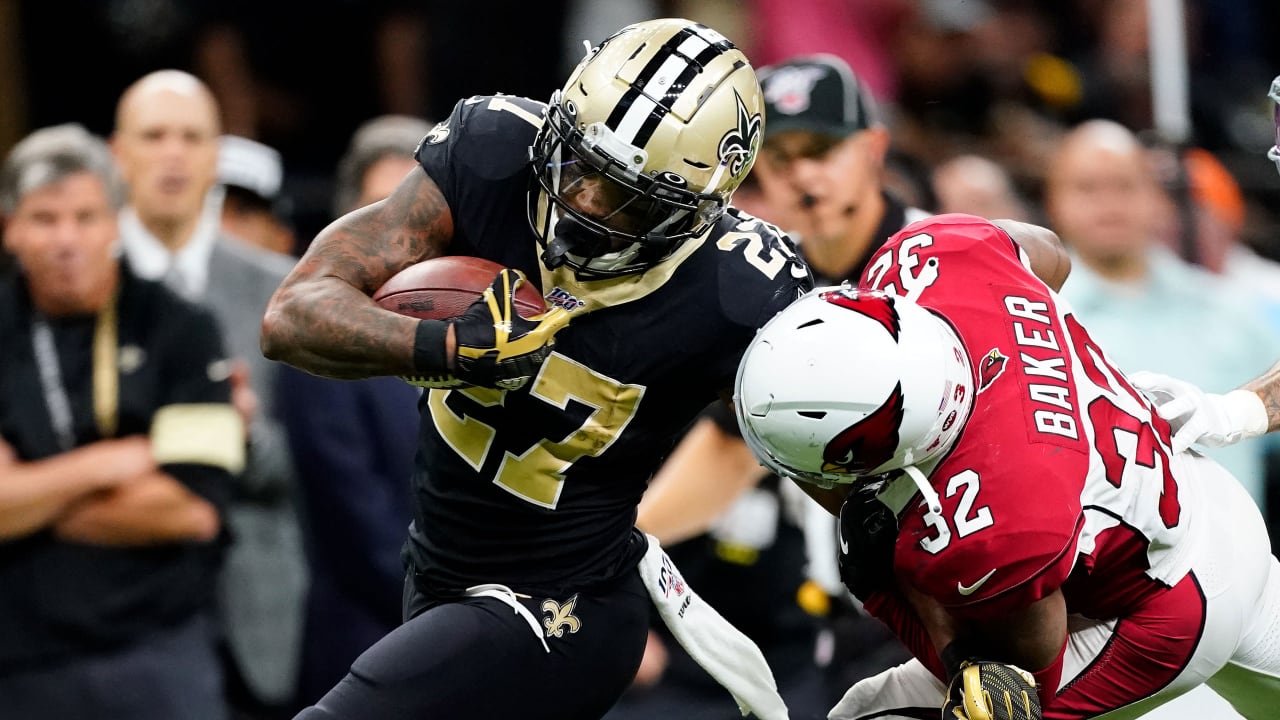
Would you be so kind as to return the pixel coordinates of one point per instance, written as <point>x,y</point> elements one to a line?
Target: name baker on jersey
<point>1044,365</point>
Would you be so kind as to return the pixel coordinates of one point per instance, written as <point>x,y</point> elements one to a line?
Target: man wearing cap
<point>820,174</point>
<point>251,174</point>
<point>822,163</point>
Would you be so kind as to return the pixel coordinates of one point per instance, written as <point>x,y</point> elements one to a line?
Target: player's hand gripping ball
<point>985,690</point>
<point>502,326</point>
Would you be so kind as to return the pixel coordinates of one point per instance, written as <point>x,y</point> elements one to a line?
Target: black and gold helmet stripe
<point>661,82</point>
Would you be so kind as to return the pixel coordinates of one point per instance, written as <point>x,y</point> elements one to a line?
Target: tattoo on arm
<point>322,319</point>
<point>1268,388</point>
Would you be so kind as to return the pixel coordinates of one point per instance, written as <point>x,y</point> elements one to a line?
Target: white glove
<point>1198,417</point>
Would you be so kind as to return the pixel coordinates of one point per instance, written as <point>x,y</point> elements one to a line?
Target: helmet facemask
<point>1274,152</point>
<point>632,220</point>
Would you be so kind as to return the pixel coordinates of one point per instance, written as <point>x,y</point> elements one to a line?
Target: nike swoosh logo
<point>971,589</point>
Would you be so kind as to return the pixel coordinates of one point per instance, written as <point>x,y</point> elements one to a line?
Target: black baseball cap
<point>817,93</point>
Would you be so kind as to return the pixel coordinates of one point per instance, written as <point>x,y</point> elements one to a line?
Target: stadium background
<point>301,76</point>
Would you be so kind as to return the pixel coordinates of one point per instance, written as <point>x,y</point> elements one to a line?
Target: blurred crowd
<point>284,115</point>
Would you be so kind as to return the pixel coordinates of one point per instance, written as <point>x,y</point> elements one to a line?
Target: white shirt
<point>186,271</point>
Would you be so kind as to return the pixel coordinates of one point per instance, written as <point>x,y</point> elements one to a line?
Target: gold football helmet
<point>643,147</point>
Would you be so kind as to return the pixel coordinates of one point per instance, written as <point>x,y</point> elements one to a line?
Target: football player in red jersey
<point>1018,514</point>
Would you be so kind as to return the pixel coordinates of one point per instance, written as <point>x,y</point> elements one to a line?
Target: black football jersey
<point>537,488</point>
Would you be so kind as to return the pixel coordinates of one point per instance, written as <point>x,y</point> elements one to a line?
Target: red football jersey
<point>1060,477</point>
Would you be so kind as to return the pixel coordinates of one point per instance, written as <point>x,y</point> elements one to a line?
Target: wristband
<point>429,357</point>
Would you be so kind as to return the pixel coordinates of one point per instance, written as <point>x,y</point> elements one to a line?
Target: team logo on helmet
<point>868,443</point>
<point>875,305</point>
<point>992,367</point>
<point>738,146</point>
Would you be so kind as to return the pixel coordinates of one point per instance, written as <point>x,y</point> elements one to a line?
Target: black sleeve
<point>721,413</point>
<point>479,158</point>
<point>196,369</point>
<point>760,276</point>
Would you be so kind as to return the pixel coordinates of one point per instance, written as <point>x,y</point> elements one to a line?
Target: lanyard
<point>106,379</point>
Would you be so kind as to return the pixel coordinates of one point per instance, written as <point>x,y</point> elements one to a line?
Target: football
<point>444,287</point>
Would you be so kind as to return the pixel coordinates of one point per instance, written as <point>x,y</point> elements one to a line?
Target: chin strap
<point>922,484</point>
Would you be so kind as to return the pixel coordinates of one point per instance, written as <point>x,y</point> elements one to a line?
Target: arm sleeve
<point>762,275</point>
<point>721,413</point>
<point>435,153</point>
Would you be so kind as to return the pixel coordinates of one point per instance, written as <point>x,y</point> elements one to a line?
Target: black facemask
<point>571,236</point>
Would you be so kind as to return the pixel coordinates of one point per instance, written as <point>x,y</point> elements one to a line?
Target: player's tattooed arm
<point>322,319</point>
<point>1267,386</point>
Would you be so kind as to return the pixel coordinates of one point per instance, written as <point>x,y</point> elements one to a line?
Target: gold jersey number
<point>537,475</point>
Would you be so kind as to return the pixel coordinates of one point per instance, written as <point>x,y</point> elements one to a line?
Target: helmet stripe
<point>662,81</point>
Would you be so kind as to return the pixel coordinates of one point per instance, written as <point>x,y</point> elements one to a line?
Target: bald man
<point>978,186</point>
<point>1151,310</point>
<point>166,143</point>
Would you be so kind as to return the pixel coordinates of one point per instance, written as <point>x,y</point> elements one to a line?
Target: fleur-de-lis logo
<point>562,617</point>
<point>738,146</point>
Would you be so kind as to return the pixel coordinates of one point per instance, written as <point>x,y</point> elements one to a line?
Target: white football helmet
<point>658,125</point>
<point>844,385</point>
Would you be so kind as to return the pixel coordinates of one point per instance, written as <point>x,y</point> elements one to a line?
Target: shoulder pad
<point>760,272</point>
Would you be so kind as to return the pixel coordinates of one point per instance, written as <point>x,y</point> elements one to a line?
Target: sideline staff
<point>117,440</point>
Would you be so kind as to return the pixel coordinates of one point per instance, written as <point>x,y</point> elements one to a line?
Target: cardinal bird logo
<point>992,367</point>
<point>875,305</point>
<point>868,443</point>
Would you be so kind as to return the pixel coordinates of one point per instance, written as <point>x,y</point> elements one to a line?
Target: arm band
<point>429,357</point>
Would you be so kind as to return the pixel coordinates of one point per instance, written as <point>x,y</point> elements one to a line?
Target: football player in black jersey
<point>539,435</point>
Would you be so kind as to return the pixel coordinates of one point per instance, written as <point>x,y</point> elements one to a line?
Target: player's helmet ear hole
<point>812,414</point>
<point>811,323</point>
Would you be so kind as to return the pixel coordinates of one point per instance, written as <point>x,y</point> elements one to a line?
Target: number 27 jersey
<point>1062,470</point>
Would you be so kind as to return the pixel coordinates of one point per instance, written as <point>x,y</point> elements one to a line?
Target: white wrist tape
<point>1247,409</point>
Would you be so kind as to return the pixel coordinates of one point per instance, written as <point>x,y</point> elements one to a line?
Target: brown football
<point>444,287</point>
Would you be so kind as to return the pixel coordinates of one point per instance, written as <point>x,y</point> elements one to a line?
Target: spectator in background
<point>1152,310</point>
<point>974,185</point>
<point>166,141</point>
<point>250,175</point>
<point>117,444</point>
<point>353,442</point>
<point>378,157</point>
<point>294,92</point>
<point>820,178</point>
<point>1219,210</point>
<point>859,32</point>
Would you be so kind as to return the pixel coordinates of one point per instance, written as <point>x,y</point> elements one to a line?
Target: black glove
<point>498,348</point>
<point>984,690</point>
<point>868,533</point>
